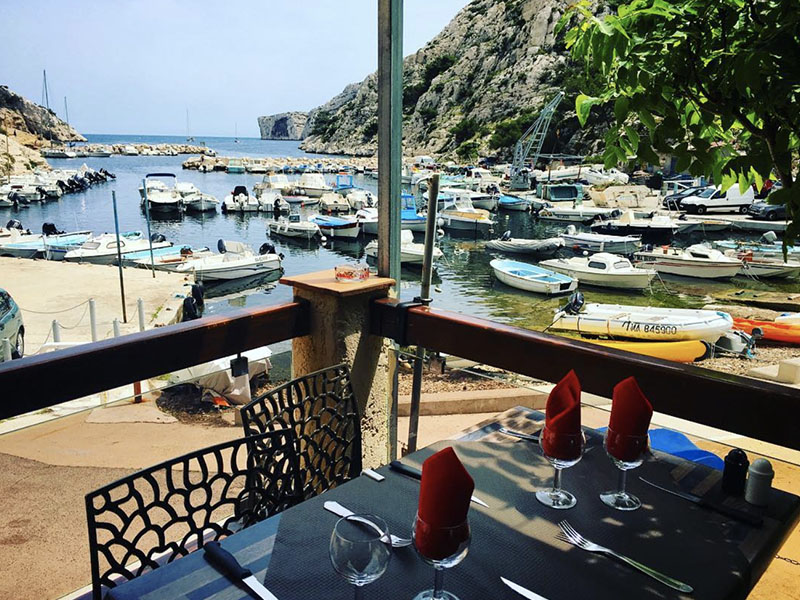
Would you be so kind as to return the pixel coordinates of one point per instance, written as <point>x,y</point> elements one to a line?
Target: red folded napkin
<point>563,419</point>
<point>630,417</point>
<point>444,497</point>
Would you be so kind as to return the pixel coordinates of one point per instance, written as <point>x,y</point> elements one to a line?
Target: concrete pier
<point>48,291</point>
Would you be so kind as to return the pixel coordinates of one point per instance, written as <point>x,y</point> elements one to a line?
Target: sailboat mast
<point>66,110</point>
<point>45,94</point>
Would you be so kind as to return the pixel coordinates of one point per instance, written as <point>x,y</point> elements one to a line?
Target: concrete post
<point>340,333</point>
<point>56,331</point>
<point>7,350</point>
<point>117,332</point>
<point>93,318</point>
<point>140,312</point>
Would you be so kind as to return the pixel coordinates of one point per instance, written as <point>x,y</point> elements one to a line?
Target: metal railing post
<point>115,325</point>
<point>93,318</point>
<point>7,352</point>
<point>140,309</point>
<point>56,331</point>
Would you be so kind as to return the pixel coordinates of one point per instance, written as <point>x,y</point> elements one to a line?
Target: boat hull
<point>292,232</point>
<point>546,247</point>
<point>631,281</point>
<point>531,278</point>
<point>683,352</point>
<point>772,331</point>
<point>655,235</point>
<point>687,268</point>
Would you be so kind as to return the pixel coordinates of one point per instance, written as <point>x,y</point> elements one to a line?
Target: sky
<point>136,66</point>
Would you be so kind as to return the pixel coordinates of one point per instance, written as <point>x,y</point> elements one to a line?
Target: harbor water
<point>463,280</point>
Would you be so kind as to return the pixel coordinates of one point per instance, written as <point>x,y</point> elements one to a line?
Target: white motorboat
<point>697,260</point>
<point>160,196</point>
<point>313,185</point>
<point>643,322</point>
<point>577,214</point>
<point>480,179</point>
<point>411,252</point>
<point>130,150</point>
<point>166,259</point>
<point>293,227</point>
<point>358,199</point>
<point>765,266</point>
<point>200,202</point>
<point>507,202</point>
<point>52,246</point>
<point>767,246</point>
<point>657,229</point>
<point>368,218</point>
<point>545,247</point>
<point>235,260</point>
<point>274,181</point>
<point>240,200</point>
<point>332,202</point>
<point>459,214</point>
<point>272,201</point>
<point>102,249</point>
<point>532,278</point>
<point>235,165</point>
<point>598,242</point>
<point>24,193</point>
<point>479,200</point>
<point>602,270</point>
<point>337,227</point>
<point>186,188</point>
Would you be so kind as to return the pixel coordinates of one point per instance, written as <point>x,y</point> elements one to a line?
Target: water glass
<point>442,548</point>
<point>626,452</point>
<point>360,553</point>
<point>563,450</point>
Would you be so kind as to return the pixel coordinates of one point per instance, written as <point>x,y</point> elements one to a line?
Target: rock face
<point>283,126</point>
<point>16,159</point>
<point>493,61</point>
<point>32,124</point>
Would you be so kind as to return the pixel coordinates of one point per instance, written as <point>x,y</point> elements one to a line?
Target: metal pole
<point>6,350</point>
<point>119,258</point>
<point>140,309</point>
<point>149,234</point>
<point>425,295</point>
<point>93,318</point>
<point>56,331</point>
<point>115,325</point>
<point>390,158</point>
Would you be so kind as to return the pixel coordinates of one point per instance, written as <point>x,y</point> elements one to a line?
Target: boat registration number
<point>657,328</point>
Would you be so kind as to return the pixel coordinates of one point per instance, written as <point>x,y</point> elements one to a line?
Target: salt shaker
<point>735,473</point>
<point>759,482</point>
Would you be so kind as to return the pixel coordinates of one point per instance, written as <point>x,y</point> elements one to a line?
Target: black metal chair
<point>152,517</point>
<point>322,410</point>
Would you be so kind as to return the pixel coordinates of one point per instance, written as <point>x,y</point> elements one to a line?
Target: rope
<point>55,312</point>
<point>78,322</point>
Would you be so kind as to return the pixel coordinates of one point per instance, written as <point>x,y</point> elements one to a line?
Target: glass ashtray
<point>349,273</point>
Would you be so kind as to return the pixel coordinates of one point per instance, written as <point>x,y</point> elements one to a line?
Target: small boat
<point>768,245</point>
<point>460,215</point>
<point>293,227</point>
<point>532,278</point>
<point>337,227</point>
<point>273,181</point>
<point>166,259</point>
<point>642,322</point>
<point>769,267</point>
<point>313,185</point>
<point>358,199</point>
<point>332,202</point>
<point>200,202</point>
<point>240,200</point>
<point>102,249</point>
<point>602,270</point>
<point>411,252</point>
<point>545,247</point>
<point>160,196</point>
<point>598,242</point>
<point>235,165</point>
<point>577,214</point>
<point>507,202</point>
<point>479,199</point>
<point>560,192</point>
<point>697,260</point>
<point>773,331</point>
<point>234,261</point>
<point>684,352</point>
<point>410,217</point>
<point>52,247</point>
<point>368,218</point>
<point>657,229</point>
<point>788,319</point>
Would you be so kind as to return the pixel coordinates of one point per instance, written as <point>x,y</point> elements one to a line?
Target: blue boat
<point>514,203</point>
<point>344,183</point>
<point>337,227</point>
<point>409,217</point>
<point>760,248</point>
<point>132,257</point>
<point>532,278</point>
<point>45,245</point>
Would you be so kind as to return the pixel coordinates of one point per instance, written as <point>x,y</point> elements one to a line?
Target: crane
<point>534,136</point>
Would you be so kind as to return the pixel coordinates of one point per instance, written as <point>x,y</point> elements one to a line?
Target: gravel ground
<point>764,355</point>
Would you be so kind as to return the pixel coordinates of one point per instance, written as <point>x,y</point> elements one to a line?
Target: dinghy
<point>506,243</point>
<point>532,278</point>
<point>411,252</point>
<point>598,242</point>
<point>337,227</point>
<point>602,270</point>
<point>683,352</point>
<point>235,260</point>
<point>697,260</point>
<point>642,322</point>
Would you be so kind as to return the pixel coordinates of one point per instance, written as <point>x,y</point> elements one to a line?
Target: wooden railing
<point>37,382</point>
<point>746,406</point>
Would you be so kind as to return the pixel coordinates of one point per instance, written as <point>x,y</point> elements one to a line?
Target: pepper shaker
<point>735,473</point>
<point>759,482</point>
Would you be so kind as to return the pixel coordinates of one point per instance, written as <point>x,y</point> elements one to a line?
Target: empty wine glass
<point>563,450</point>
<point>360,552</point>
<point>442,548</point>
<point>626,452</point>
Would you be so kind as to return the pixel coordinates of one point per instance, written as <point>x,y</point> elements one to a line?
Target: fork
<point>341,511</point>
<point>519,434</point>
<point>571,536</point>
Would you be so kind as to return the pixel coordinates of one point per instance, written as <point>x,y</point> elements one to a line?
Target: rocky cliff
<point>32,125</point>
<point>283,126</point>
<point>473,89</point>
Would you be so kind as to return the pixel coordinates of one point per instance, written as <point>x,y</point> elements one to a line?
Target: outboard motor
<point>267,248</point>
<point>769,237</point>
<point>64,187</point>
<point>14,224</point>
<point>198,294</point>
<point>615,214</point>
<point>50,229</point>
<point>571,230</point>
<point>158,237</point>
<point>506,236</point>
<point>190,312</point>
<point>574,303</point>
<point>221,247</point>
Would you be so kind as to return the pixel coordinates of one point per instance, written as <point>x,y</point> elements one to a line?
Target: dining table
<point>514,537</point>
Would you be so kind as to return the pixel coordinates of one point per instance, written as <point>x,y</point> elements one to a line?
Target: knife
<point>224,561</point>
<point>396,465</point>
<point>734,513</point>
<point>522,591</point>
<point>519,434</point>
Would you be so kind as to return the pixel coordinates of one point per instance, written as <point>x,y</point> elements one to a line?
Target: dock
<point>48,291</point>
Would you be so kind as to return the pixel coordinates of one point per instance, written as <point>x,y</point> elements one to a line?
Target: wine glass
<point>360,549</point>
<point>563,450</point>
<point>626,452</point>
<point>442,548</point>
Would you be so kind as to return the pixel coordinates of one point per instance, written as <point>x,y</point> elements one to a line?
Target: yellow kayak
<point>685,351</point>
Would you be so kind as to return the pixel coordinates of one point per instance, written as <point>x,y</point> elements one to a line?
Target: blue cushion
<point>677,444</point>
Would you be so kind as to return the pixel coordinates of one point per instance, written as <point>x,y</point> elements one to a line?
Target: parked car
<point>711,198</point>
<point>673,201</point>
<point>11,325</point>
<point>767,212</point>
